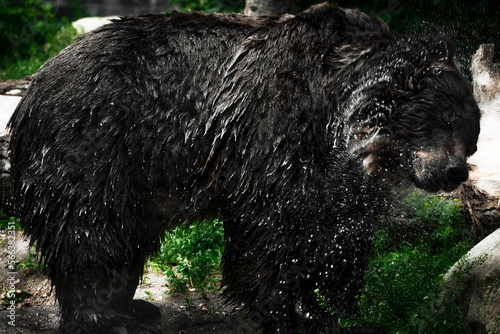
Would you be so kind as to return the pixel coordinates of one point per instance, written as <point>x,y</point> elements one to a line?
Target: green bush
<point>190,256</point>
<point>402,286</point>
<point>29,35</point>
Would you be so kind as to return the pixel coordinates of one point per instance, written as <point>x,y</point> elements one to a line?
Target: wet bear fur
<point>291,129</point>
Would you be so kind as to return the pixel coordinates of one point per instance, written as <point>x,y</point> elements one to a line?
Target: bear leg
<point>100,300</point>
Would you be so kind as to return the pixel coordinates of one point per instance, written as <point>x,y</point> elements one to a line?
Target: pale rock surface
<point>90,23</point>
<point>486,86</point>
<point>477,276</point>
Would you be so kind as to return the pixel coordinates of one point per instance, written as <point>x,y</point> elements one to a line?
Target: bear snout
<point>457,173</point>
<point>435,171</point>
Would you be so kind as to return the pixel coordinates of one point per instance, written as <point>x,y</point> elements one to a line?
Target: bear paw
<point>143,310</point>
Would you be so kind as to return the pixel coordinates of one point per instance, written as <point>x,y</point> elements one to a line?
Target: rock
<point>11,92</point>
<point>480,196</point>
<point>15,87</point>
<point>8,104</point>
<point>476,279</point>
<point>6,203</point>
<point>90,23</point>
<point>486,85</point>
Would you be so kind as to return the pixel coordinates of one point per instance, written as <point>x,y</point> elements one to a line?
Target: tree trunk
<point>269,7</point>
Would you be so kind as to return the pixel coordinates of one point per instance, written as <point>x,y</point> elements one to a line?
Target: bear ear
<point>442,49</point>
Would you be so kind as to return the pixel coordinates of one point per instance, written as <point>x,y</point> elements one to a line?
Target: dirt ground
<point>181,314</point>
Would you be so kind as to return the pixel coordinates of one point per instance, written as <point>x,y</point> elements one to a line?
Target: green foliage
<point>220,6</point>
<point>29,35</point>
<point>344,320</point>
<point>150,295</point>
<point>190,256</point>
<point>402,286</point>
<point>8,296</point>
<point>450,236</point>
<point>6,221</point>
<point>32,262</point>
<point>25,25</point>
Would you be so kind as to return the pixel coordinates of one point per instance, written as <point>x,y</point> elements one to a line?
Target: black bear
<point>292,129</point>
